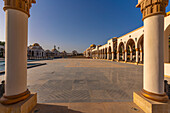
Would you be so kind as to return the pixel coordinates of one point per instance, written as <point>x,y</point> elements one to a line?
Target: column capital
<point>152,7</point>
<point>21,5</point>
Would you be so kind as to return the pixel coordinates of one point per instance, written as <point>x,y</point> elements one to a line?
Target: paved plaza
<point>84,80</point>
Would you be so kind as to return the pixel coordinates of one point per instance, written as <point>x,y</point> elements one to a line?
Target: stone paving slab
<point>84,80</point>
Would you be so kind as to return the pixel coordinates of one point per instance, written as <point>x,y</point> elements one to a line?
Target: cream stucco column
<point>131,56</point>
<point>153,17</point>
<point>113,55</point>
<point>118,56</point>
<point>108,54</point>
<point>105,53</point>
<point>16,26</point>
<point>141,56</point>
<point>125,55</point>
<point>137,55</point>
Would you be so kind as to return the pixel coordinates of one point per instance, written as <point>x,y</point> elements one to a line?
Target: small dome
<point>93,45</point>
<point>36,44</point>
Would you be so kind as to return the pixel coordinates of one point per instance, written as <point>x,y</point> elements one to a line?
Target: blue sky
<point>76,24</point>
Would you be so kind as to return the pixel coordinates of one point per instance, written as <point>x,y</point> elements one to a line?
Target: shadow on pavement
<point>46,108</point>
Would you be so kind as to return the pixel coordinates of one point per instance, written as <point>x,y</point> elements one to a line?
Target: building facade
<point>35,51</point>
<point>129,47</point>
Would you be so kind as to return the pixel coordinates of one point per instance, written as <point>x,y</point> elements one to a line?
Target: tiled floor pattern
<point>84,80</point>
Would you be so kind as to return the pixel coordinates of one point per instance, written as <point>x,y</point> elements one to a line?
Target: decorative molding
<point>21,5</point>
<point>152,7</point>
<point>8,100</point>
<point>156,97</point>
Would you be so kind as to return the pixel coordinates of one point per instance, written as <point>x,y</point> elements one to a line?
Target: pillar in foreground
<point>153,16</point>
<point>16,26</point>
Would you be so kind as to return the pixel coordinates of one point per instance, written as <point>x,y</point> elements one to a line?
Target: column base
<point>7,100</point>
<point>125,61</point>
<point>148,105</point>
<point>156,97</point>
<point>25,106</point>
<point>136,63</point>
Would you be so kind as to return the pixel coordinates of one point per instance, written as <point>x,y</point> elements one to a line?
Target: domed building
<point>63,54</point>
<point>92,46</point>
<point>56,53</point>
<point>74,53</point>
<point>35,51</point>
<point>49,54</point>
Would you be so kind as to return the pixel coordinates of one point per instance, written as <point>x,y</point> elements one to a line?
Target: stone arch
<point>131,50</point>
<point>121,49</point>
<point>140,47</point>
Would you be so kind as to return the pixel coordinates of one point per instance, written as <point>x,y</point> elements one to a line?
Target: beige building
<point>35,51</point>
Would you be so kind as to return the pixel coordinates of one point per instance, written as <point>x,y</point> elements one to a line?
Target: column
<point>131,56</point>
<point>99,54</point>
<point>108,54</point>
<point>118,56</point>
<point>16,36</point>
<point>113,56</point>
<point>153,17</point>
<point>104,53</point>
<point>141,56</point>
<point>137,55</point>
<point>125,55</point>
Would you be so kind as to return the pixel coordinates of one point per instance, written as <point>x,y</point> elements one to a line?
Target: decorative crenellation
<point>22,5</point>
<point>152,7</point>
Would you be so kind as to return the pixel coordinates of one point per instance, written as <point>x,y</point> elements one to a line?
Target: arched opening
<point>115,49</point>
<point>32,53</point>
<point>121,51</point>
<point>105,53</point>
<point>140,46</point>
<point>131,51</point>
